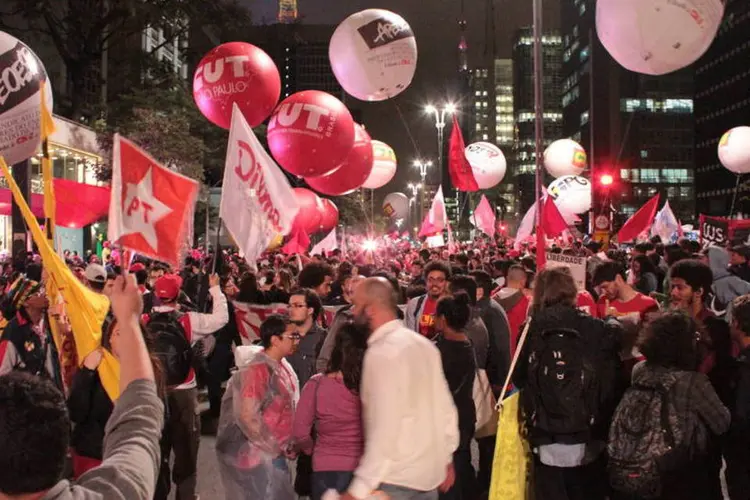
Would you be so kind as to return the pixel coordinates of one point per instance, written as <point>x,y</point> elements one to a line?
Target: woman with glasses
<point>254,436</point>
<point>328,422</point>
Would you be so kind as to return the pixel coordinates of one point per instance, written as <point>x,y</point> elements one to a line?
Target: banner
<point>720,231</point>
<point>577,266</point>
<point>257,202</point>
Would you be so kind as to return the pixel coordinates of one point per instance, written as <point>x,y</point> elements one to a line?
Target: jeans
<point>486,447</point>
<point>585,482</point>
<point>401,493</point>
<point>181,434</point>
<point>323,481</point>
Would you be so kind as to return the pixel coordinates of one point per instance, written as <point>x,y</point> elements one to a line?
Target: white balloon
<point>734,150</point>
<point>383,166</point>
<point>373,54</point>
<point>564,157</point>
<point>396,206</point>
<point>21,76</point>
<point>487,163</point>
<point>571,193</point>
<point>655,37</point>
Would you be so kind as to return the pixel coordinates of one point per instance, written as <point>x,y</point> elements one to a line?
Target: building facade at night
<point>722,101</point>
<point>521,158</point>
<point>637,128</point>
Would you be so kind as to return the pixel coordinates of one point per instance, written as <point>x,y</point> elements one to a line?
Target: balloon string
<point>408,130</point>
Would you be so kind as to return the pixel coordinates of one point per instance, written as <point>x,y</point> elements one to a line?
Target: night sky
<point>435,24</point>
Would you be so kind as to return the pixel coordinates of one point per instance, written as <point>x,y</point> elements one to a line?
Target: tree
<point>82,30</point>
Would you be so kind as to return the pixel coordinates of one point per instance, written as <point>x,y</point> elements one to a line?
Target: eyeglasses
<point>437,281</point>
<point>298,306</point>
<point>292,336</point>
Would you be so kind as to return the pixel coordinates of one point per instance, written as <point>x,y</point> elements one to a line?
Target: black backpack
<point>647,440</point>
<point>562,394</point>
<point>171,346</point>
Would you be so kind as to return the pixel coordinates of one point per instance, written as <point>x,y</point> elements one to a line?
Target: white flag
<point>526,228</point>
<point>665,224</point>
<point>327,244</point>
<point>257,202</point>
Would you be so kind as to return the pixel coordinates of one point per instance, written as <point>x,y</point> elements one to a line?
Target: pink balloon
<point>330,217</point>
<point>310,133</point>
<point>236,72</point>
<point>310,210</point>
<point>352,173</point>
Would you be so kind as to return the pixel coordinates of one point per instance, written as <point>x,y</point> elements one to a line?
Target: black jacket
<point>603,344</point>
<point>498,328</point>
<point>304,359</point>
<point>90,408</point>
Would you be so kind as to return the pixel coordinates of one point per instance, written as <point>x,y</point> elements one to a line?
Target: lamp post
<point>440,112</point>
<point>422,166</point>
<point>415,188</point>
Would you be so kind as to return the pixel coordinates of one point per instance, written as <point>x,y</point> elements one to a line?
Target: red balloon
<point>352,173</point>
<point>310,133</point>
<point>236,72</point>
<point>310,210</point>
<point>330,217</point>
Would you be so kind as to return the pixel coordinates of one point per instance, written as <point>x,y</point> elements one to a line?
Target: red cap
<point>138,266</point>
<point>168,287</point>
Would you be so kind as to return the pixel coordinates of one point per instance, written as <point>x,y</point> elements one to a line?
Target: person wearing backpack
<point>567,372</point>
<point>175,333</point>
<point>660,438</point>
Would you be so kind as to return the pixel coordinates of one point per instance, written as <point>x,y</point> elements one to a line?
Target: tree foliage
<point>82,30</point>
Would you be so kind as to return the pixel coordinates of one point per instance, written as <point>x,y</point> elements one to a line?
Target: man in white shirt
<point>410,421</point>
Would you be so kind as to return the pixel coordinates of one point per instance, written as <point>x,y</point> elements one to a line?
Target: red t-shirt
<point>427,319</point>
<point>585,302</point>
<point>639,305</point>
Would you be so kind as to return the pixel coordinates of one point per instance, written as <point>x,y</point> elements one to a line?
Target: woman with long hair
<point>452,317</point>
<point>645,278</point>
<point>90,406</point>
<point>328,420</point>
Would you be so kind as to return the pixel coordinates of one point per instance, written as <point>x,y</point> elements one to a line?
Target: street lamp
<point>415,188</point>
<point>422,166</point>
<point>440,112</point>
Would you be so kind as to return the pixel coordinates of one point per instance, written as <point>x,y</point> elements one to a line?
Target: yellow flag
<point>47,121</point>
<point>85,308</point>
<point>512,463</point>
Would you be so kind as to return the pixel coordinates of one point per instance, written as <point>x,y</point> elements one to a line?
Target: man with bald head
<point>410,421</point>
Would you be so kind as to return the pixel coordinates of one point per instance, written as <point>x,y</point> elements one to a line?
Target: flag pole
<point>538,122</point>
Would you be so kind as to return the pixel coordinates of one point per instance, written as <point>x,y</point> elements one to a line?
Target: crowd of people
<point>634,386</point>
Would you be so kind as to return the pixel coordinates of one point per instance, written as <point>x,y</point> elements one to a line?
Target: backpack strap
<point>663,393</point>
<point>420,302</point>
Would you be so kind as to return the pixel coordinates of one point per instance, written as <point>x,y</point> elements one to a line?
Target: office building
<point>637,128</point>
<point>722,101</point>
<point>521,159</point>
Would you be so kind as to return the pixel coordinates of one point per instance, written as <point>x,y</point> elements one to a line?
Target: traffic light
<point>606,180</point>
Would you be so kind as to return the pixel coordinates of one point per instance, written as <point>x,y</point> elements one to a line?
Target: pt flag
<point>151,206</point>
<point>639,222</point>
<point>257,202</point>
<point>435,220</point>
<point>462,176</point>
<point>484,217</point>
<point>553,222</point>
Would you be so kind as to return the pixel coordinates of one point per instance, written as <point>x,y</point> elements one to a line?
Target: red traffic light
<point>606,180</point>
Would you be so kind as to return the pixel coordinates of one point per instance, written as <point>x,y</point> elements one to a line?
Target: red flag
<point>639,221</point>
<point>541,242</point>
<point>151,206</point>
<point>298,243</point>
<point>484,217</point>
<point>552,220</point>
<point>458,166</point>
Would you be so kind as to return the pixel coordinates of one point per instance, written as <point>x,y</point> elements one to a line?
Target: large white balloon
<point>396,206</point>
<point>487,163</point>
<point>656,37</point>
<point>373,54</point>
<point>734,150</point>
<point>564,157</point>
<point>572,194</point>
<point>21,76</point>
<point>383,166</point>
